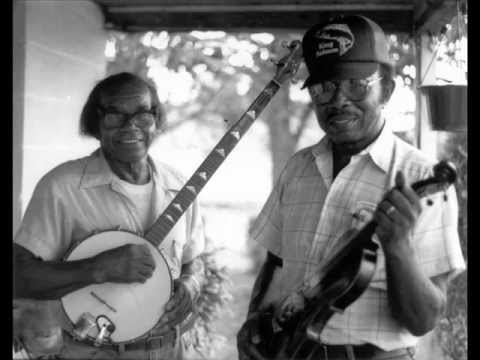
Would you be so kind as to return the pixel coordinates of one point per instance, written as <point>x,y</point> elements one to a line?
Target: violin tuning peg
<point>429,202</point>
<point>273,61</point>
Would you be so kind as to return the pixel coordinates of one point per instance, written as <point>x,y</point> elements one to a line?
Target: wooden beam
<point>391,22</point>
<point>259,8</point>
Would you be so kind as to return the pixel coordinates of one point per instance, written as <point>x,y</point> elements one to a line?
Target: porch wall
<point>58,57</point>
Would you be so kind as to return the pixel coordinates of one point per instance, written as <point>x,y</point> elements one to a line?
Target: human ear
<point>387,90</point>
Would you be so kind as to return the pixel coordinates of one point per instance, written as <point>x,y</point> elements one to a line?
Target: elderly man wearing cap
<point>358,172</point>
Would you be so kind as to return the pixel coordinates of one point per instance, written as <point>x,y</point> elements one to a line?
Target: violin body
<point>347,277</point>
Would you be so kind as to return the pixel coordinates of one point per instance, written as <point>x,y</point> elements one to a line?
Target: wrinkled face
<point>347,121</point>
<point>128,141</point>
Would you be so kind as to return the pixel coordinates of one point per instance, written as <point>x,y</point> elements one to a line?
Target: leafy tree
<point>228,72</point>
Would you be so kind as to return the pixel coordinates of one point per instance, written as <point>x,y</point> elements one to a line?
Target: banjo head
<point>134,308</point>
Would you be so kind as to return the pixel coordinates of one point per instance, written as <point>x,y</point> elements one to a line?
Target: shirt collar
<point>97,173</point>
<point>380,151</point>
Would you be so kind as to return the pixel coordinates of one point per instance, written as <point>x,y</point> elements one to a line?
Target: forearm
<point>262,282</point>
<point>193,275</point>
<point>415,301</point>
<point>49,280</point>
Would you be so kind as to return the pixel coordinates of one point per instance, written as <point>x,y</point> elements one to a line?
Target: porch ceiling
<point>409,16</point>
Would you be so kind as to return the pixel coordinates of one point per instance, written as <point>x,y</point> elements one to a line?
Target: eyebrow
<point>138,108</point>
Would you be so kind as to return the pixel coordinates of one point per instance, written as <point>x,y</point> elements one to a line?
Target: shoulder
<point>302,163</point>
<point>67,174</point>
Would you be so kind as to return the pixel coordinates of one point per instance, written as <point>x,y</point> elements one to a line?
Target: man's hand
<point>397,215</point>
<point>125,264</point>
<point>177,308</point>
<point>248,337</point>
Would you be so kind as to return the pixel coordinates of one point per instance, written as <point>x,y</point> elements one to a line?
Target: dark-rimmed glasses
<point>353,89</point>
<point>112,119</point>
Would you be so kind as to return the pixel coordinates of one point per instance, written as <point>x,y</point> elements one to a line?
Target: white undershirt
<point>141,195</point>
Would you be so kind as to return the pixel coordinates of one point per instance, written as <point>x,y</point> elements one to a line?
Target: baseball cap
<point>345,47</point>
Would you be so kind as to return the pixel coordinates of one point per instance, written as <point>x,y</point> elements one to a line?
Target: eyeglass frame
<point>337,87</point>
<point>126,117</point>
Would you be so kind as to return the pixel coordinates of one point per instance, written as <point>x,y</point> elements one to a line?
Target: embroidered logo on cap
<point>334,38</point>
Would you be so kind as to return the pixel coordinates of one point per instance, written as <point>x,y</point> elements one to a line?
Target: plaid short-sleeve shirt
<point>307,213</point>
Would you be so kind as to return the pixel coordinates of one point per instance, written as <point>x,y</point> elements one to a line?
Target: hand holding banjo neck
<point>287,68</point>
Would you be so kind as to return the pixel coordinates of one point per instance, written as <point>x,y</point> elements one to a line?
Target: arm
<point>249,332</point>
<point>49,280</point>
<point>193,276</point>
<point>416,301</point>
<point>263,281</point>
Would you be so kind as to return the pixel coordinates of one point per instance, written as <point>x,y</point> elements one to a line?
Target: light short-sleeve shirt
<point>308,211</point>
<point>83,196</point>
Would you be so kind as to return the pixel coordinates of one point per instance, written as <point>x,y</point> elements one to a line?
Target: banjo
<point>103,313</point>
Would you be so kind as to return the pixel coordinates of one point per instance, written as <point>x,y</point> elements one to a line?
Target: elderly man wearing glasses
<point>119,186</point>
<point>358,172</point>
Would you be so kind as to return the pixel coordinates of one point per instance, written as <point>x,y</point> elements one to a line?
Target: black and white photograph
<point>240,179</point>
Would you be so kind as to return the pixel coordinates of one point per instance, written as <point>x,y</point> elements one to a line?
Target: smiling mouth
<point>340,119</point>
<point>129,141</point>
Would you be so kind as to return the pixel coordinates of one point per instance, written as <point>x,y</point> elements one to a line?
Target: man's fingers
<point>407,191</point>
<point>401,205</point>
<point>400,179</point>
<point>404,201</point>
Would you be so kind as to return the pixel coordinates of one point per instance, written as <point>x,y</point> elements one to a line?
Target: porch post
<point>426,138</point>
<point>18,103</point>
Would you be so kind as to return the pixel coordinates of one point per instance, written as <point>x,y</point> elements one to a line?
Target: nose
<point>129,122</point>
<point>339,97</point>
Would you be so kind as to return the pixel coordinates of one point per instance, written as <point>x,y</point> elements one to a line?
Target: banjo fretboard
<point>203,174</point>
<point>288,66</point>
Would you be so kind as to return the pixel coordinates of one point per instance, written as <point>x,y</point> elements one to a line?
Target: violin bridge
<point>336,309</point>
<point>312,334</point>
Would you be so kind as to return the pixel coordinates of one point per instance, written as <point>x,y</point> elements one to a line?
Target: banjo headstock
<point>288,65</point>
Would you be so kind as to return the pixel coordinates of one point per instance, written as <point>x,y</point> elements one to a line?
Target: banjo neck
<point>215,158</point>
<point>204,172</point>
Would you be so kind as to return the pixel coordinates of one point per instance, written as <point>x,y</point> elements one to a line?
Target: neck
<point>137,172</point>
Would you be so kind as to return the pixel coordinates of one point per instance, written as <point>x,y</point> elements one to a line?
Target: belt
<point>358,352</point>
<point>148,343</point>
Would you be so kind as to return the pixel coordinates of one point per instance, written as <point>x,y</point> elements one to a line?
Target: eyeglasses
<point>353,89</point>
<point>114,119</point>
